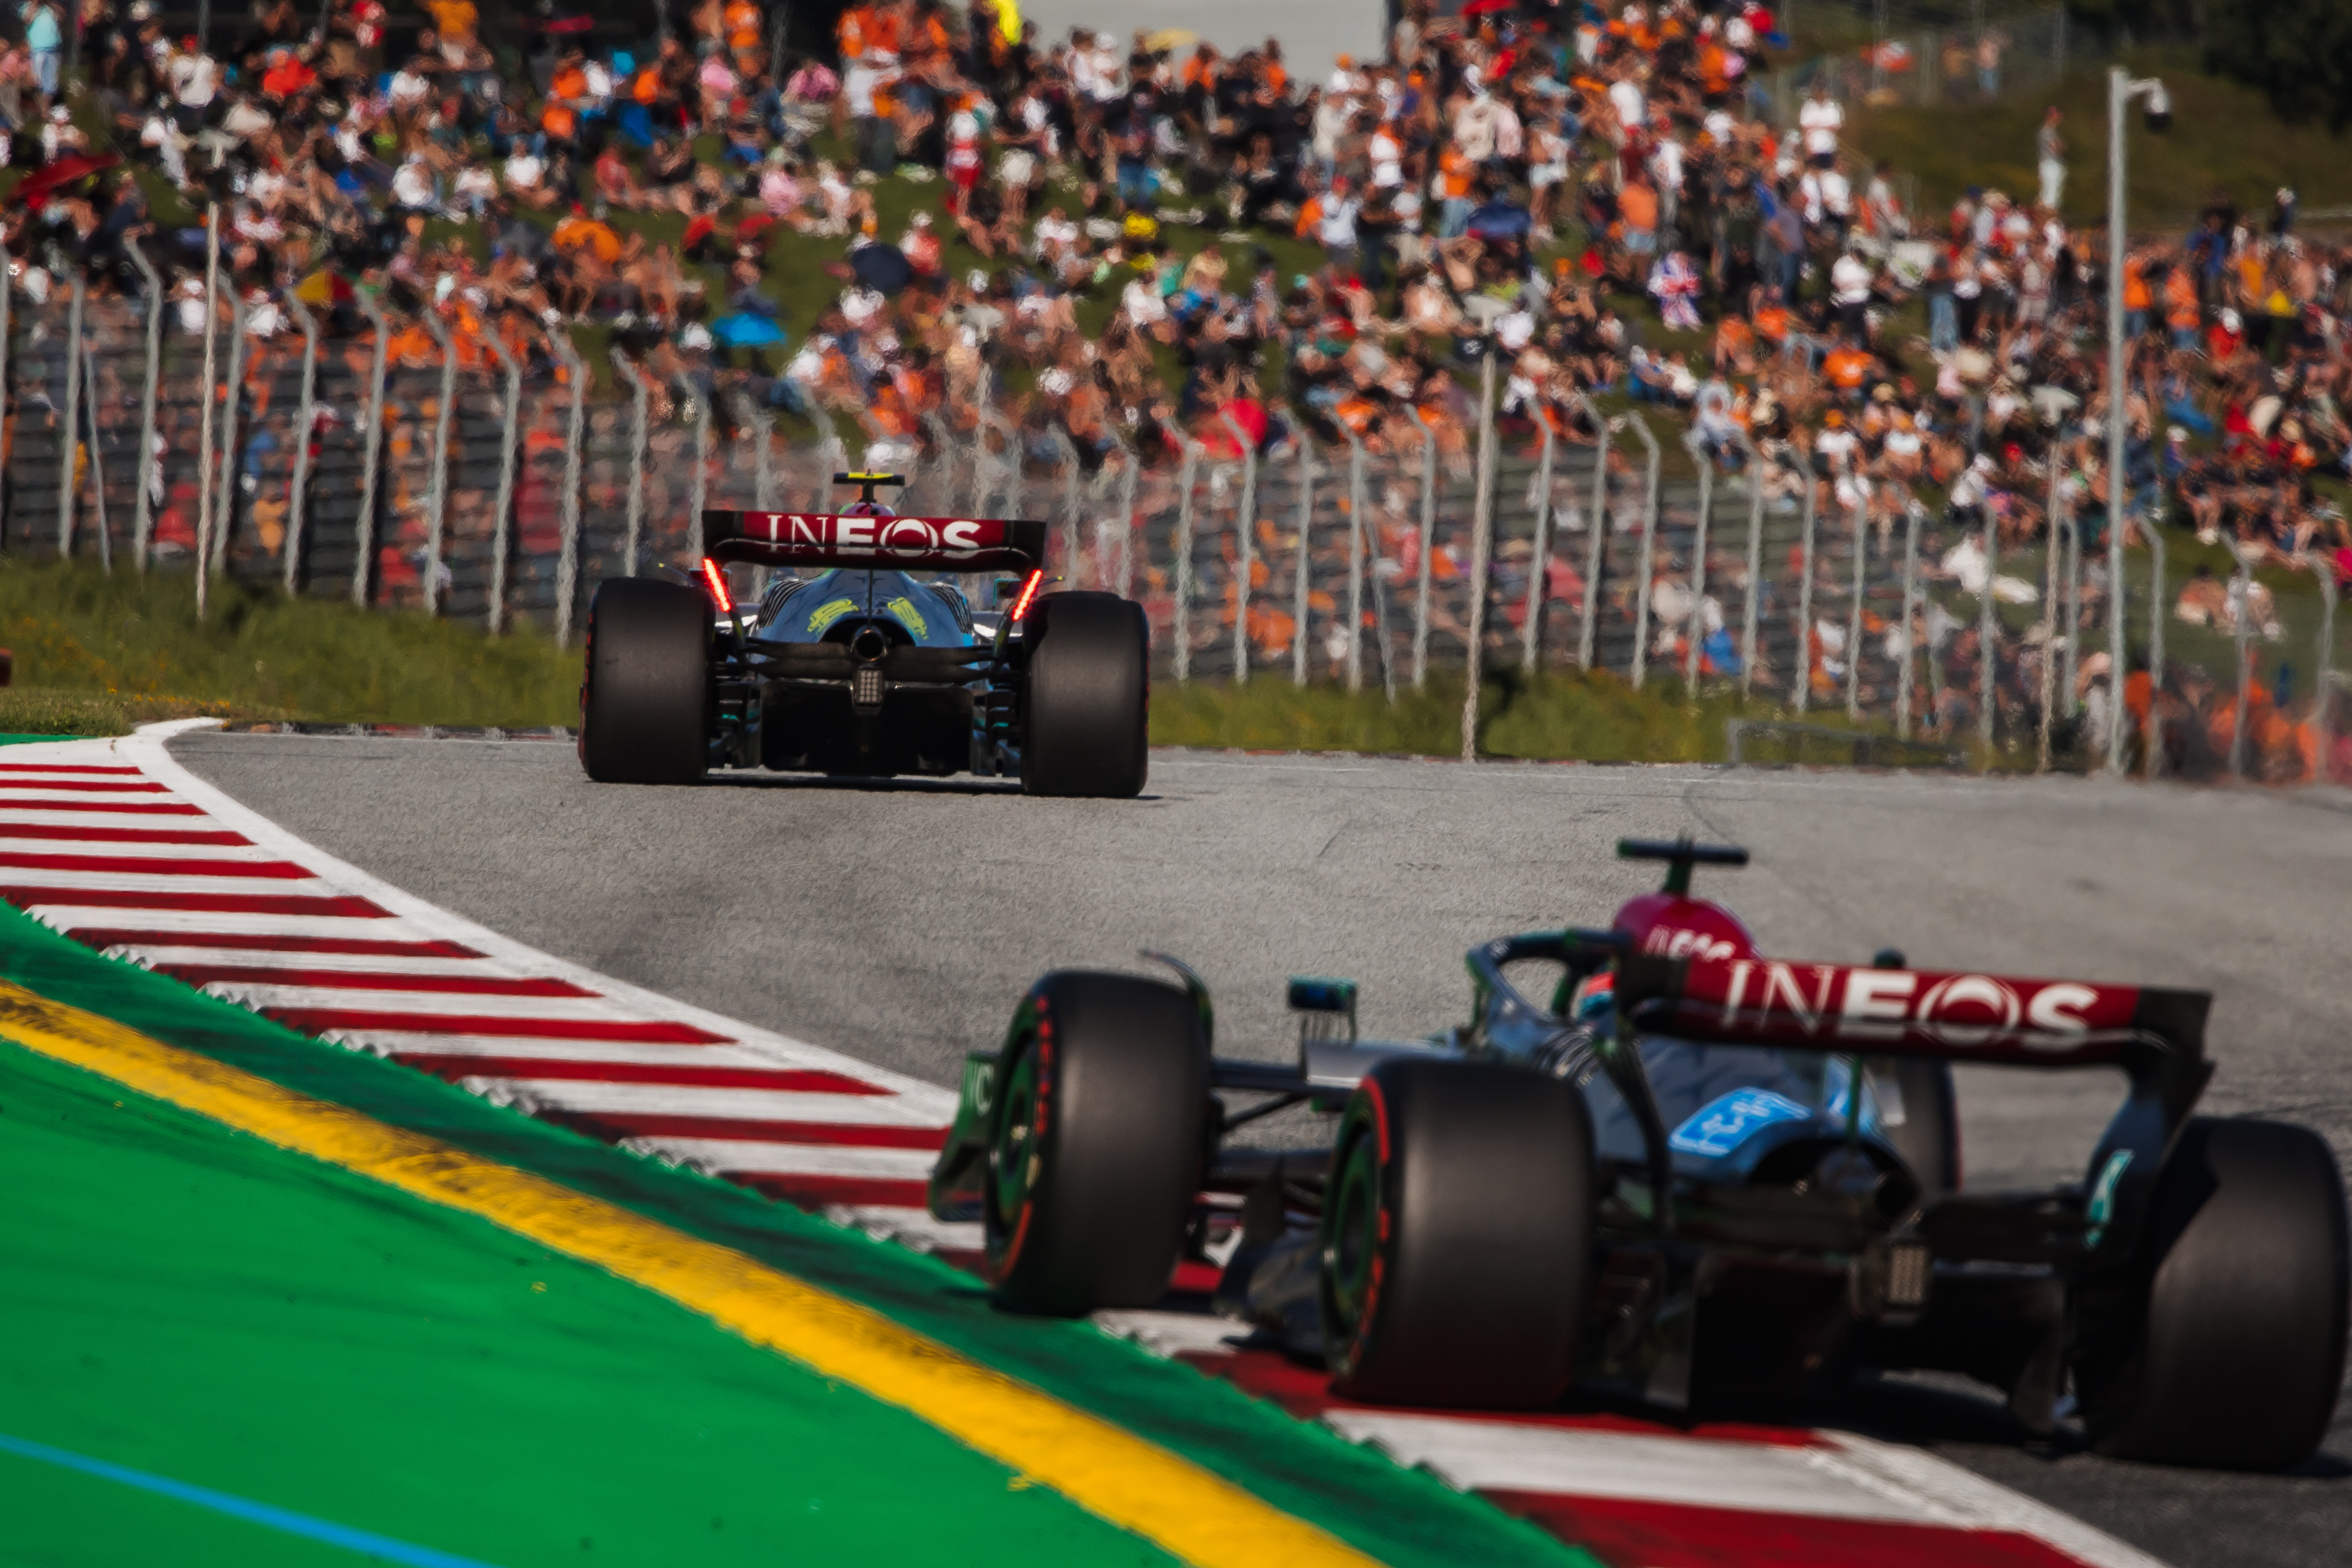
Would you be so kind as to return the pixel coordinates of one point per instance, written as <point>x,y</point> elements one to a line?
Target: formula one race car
<point>1690,1173</point>
<point>863,668</point>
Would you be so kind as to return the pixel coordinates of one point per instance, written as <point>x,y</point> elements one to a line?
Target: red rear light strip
<point>1028,594</point>
<point>717,579</point>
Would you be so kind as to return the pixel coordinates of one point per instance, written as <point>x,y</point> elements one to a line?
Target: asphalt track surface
<point>899,922</point>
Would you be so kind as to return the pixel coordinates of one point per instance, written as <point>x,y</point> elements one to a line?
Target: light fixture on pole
<point>2122,87</point>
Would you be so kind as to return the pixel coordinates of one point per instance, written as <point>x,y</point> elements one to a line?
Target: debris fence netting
<point>1319,560</point>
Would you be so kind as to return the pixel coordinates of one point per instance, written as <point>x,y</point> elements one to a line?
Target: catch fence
<point>448,475</point>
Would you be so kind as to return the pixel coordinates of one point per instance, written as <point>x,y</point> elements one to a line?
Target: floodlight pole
<point>2122,88</point>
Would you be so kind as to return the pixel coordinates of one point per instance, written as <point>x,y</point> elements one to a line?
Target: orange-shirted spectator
<point>454,20</point>
<point>1846,368</point>
<point>850,33</point>
<point>2181,313</point>
<point>744,25</point>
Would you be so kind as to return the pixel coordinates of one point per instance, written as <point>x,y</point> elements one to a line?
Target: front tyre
<point>645,703</point>
<point>2224,1346</point>
<point>1095,1156</point>
<point>1458,1237</point>
<point>1087,707</point>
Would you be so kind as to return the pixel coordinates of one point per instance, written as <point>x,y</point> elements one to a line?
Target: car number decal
<point>909,617</point>
<point>824,615</point>
<point>1724,1123</point>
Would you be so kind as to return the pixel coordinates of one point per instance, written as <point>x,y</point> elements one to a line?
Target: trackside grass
<point>98,654</point>
<point>506,1410</point>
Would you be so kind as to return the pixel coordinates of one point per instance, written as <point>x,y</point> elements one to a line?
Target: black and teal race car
<point>877,662</point>
<point>1655,1165</point>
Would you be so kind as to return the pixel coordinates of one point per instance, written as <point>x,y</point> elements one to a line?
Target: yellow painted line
<point>1139,1486</point>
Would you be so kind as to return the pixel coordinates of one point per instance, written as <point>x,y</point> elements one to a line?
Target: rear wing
<point>827,539</point>
<point>1915,1012</point>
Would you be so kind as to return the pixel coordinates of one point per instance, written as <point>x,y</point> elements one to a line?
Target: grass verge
<point>98,654</point>
<point>1563,715</point>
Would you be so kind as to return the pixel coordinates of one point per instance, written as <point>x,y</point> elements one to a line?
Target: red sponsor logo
<point>883,537</point>
<point>1832,1003</point>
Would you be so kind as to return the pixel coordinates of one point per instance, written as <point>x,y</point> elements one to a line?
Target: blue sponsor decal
<point>1723,1124</point>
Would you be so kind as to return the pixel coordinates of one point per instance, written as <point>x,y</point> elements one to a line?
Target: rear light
<point>715,578</point>
<point>1028,595</point>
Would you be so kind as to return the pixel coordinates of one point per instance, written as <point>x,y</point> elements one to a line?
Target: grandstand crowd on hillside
<point>1506,183</point>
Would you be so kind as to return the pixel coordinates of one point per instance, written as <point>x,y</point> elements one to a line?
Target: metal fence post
<point>143,525</point>
<point>1071,480</point>
<point>2074,605</point>
<point>1306,523</point>
<point>372,446</point>
<point>1188,475</point>
<point>2323,667</point>
<point>1987,636</point>
<point>1903,682</point>
<point>5,388</point>
<point>1854,609</point>
<point>1803,695</point>
<point>204,421</point>
<point>97,461</point>
<point>763,428</point>
<point>296,507</point>
<point>1540,556</point>
<point>510,438</point>
<point>698,491</point>
<point>1698,563</point>
<point>830,452</point>
<point>1130,462</point>
<point>1428,542</point>
<point>628,373</point>
<point>2050,613</point>
<point>69,473</point>
<point>232,396</point>
<point>2157,589</point>
<point>1482,542</point>
<point>1246,527</point>
<point>1594,559</point>
<point>567,566</point>
<point>438,493</point>
<point>1641,427</point>
<point>1752,612</point>
<point>2242,639</point>
<point>1356,560</point>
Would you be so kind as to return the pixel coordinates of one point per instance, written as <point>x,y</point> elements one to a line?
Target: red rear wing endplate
<point>1909,1012</point>
<point>826,539</point>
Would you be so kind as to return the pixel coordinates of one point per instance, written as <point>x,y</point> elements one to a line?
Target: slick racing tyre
<point>1458,1237</point>
<point>1096,1153</point>
<point>1088,697</point>
<point>645,705</point>
<point>2225,1347</point>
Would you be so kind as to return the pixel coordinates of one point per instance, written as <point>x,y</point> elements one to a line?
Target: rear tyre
<point>645,703</point>
<point>2225,1347</point>
<point>1088,702</point>
<point>1458,1237</point>
<point>1096,1157</point>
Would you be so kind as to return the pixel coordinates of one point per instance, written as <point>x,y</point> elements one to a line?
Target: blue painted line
<point>261,1513</point>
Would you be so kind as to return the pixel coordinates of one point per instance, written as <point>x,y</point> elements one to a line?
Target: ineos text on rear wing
<point>826,539</point>
<point>1912,1012</point>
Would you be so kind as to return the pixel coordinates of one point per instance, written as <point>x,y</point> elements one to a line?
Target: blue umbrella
<point>745,330</point>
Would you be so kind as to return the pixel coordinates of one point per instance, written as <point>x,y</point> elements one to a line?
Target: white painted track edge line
<point>147,749</point>
<point>1989,1504</point>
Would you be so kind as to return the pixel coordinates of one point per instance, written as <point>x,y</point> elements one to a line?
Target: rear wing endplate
<point>897,544</point>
